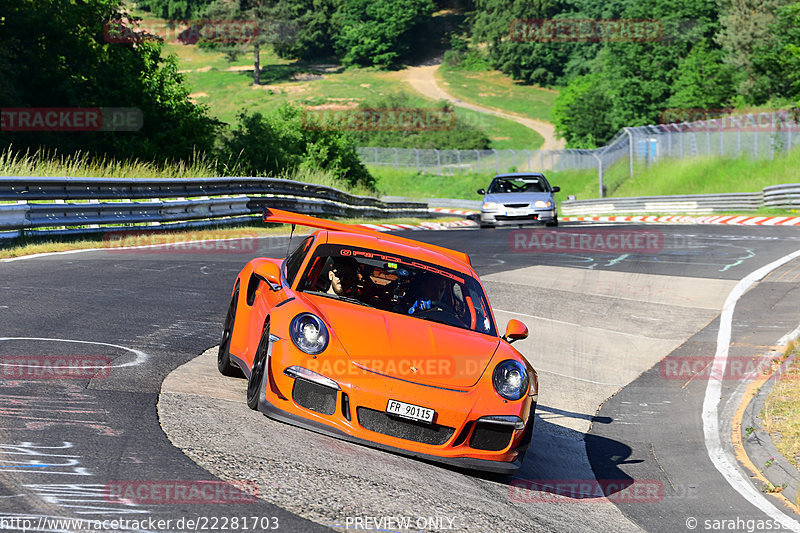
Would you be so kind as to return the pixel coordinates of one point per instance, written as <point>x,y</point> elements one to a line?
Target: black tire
<point>259,372</point>
<point>224,365</point>
<point>553,223</point>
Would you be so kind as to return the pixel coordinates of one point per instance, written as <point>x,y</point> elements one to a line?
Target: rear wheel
<point>259,371</point>
<point>224,364</point>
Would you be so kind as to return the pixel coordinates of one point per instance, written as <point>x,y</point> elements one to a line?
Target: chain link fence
<point>758,135</point>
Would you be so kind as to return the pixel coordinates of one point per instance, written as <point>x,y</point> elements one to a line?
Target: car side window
<point>292,263</point>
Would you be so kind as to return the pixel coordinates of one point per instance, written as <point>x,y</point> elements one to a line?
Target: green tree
<point>67,62</point>
<point>640,75</point>
<point>377,32</point>
<point>174,9</point>
<point>753,46</point>
<point>788,26</point>
<point>703,80</point>
<point>311,37</point>
<point>517,52</point>
<point>519,57</point>
<point>581,112</point>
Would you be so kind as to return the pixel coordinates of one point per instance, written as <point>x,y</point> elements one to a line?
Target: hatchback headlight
<point>308,333</point>
<point>542,204</point>
<point>489,206</point>
<point>510,379</point>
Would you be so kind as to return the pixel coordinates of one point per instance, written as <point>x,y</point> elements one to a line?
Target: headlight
<point>510,379</point>
<point>309,333</point>
<point>541,203</point>
<point>488,206</point>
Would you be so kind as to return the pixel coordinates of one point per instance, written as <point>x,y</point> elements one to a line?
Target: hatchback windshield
<point>399,285</point>
<point>517,184</point>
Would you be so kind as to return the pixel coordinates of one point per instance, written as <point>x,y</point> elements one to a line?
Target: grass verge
<point>226,88</point>
<point>699,175</point>
<point>412,184</point>
<point>781,415</point>
<point>495,89</point>
<point>43,164</point>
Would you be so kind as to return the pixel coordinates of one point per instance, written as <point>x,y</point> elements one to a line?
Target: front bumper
<point>485,465</point>
<point>356,413</point>
<point>528,216</point>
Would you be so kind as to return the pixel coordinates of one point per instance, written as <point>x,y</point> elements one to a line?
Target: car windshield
<point>398,284</point>
<point>517,184</point>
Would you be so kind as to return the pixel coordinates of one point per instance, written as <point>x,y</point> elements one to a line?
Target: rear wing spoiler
<point>288,217</point>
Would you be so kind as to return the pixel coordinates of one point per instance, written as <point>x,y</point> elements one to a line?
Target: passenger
<point>427,291</point>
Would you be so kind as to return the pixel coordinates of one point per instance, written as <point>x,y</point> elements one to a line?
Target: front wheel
<point>259,371</point>
<point>224,364</point>
<point>554,222</point>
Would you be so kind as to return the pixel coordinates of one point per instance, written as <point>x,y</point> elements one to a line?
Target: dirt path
<point>423,80</point>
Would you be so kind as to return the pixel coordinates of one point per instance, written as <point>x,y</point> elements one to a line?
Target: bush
<point>275,143</point>
<point>461,135</point>
<point>472,60</point>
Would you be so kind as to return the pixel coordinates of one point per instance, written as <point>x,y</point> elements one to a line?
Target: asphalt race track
<point>611,333</point>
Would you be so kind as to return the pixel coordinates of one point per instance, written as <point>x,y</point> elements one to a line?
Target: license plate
<point>516,212</point>
<point>407,410</point>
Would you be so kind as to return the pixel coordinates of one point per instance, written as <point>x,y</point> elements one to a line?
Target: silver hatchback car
<point>519,198</point>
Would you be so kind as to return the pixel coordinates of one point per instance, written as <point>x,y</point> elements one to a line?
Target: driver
<point>430,290</point>
<point>343,276</point>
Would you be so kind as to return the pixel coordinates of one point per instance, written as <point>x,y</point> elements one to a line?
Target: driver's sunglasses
<point>344,276</point>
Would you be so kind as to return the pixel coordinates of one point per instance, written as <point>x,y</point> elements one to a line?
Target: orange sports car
<point>384,341</point>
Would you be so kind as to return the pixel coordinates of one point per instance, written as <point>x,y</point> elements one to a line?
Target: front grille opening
<point>346,405</point>
<point>525,217</point>
<point>314,396</point>
<point>380,422</point>
<point>491,437</point>
<point>516,205</point>
<point>463,435</point>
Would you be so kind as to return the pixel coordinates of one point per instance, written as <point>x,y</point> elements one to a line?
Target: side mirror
<point>515,330</point>
<point>556,189</point>
<point>271,273</point>
<point>481,191</point>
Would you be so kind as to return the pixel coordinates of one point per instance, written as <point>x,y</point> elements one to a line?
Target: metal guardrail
<point>455,203</point>
<point>61,203</point>
<point>782,196</point>
<point>36,188</point>
<point>775,196</point>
